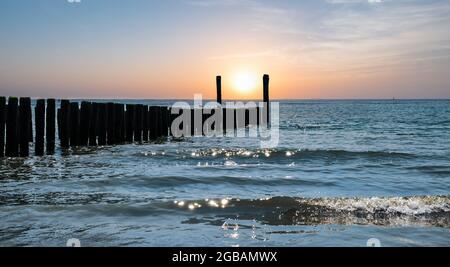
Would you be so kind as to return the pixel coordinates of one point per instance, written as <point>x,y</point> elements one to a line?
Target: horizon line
<point>249,99</point>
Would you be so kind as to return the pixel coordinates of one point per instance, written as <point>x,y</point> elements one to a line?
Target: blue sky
<point>174,48</point>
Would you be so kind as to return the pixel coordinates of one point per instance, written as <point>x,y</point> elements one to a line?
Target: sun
<point>244,82</point>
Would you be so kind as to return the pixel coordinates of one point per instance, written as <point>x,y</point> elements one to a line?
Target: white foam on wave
<point>417,205</point>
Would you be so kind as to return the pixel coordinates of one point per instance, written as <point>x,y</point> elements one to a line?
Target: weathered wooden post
<point>58,121</point>
<point>166,125</point>
<point>50,126</point>
<point>153,112</point>
<point>124,124</point>
<point>12,140</point>
<point>118,133</point>
<point>30,123</point>
<point>160,121</point>
<point>2,125</point>
<point>111,123</point>
<point>204,118</point>
<point>74,124</point>
<point>102,124</point>
<point>24,126</point>
<point>39,114</point>
<point>93,128</point>
<point>192,122</point>
<point>219,89</point>
<point>138,125</point>
<point>266,96</point>
<point>129,123</point>
<point>84,123</point>
<point>64,126</point>
<point>145,123</point>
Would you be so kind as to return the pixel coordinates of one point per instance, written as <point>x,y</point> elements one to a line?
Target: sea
<point>344,173</point>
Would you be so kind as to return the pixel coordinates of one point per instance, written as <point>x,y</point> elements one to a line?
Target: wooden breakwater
<point>86,123</point>
<point>76,124</point>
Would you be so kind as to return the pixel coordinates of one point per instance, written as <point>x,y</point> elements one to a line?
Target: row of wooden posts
<point>110,123</point>
<point>88,124</point>
<point>92,124</point>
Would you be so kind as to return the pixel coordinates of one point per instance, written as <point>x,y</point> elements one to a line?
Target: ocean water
<point>344,172</point>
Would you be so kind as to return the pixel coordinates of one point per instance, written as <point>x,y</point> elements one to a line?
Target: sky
<point>169,49</point>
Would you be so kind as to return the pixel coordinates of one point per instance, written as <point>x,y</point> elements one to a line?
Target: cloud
<point>336,36</point>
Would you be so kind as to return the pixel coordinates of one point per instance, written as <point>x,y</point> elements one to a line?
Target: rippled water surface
<point>344,172</point>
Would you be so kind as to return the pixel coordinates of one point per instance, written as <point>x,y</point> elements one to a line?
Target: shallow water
<point>344,172</point>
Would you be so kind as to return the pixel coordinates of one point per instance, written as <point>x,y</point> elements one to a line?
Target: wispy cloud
<point>343,37</point>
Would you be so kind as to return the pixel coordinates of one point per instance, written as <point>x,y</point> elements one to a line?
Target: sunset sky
<point>175,48</point>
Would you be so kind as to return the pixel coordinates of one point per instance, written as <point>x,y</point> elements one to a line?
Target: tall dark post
<point>85,114</point>
<point>30,123</point>
<point>64,122</point>
<point>58,121</point>
<point>165,120</point>
<point>160,122</point>
<point>118,135</point>
<point>139,122</point>
<point>110,132</point>
<point>24,124</point>
<point>124,124</point>
<point>102,124</point>
<point>145,125</point>
<point>219,89</point>
<point>50,126</point>
<point>129,122</point>
<point>93,127</point>
<point>2,125</point>
<point>152,114</point>
<point>39,114</point>
<point>74,124</point>
<point>12,140</point>
<point>266,96</point>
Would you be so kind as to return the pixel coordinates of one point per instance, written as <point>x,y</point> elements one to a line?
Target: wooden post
<point>160,122</point>
<point>84,123</point>
<point>138,125</point>
<point>64,123</point>
<point>247,117</point>
<point>172,117</point>
<point>124,124</point>
<point>266,95</point>
<point>165,122</point>
<point>30,123</point>
<point>111,123</point>
<point>129,123</point>
<point>74,124</point>
<point>50,126</point>
<point>58,120</point>
<point>219,89</point>
<point>257,116</point>
<point>24,124</point>
<point>102,124</point>
<point>2,125</point>
<point>145,125</point>
<point>12,140</point>
<point>118,125</point>
<point>153,122</point>
<point>93,127</point>
<point>39,113</point>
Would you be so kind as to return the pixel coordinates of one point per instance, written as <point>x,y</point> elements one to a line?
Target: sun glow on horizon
<point>244,82</point>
